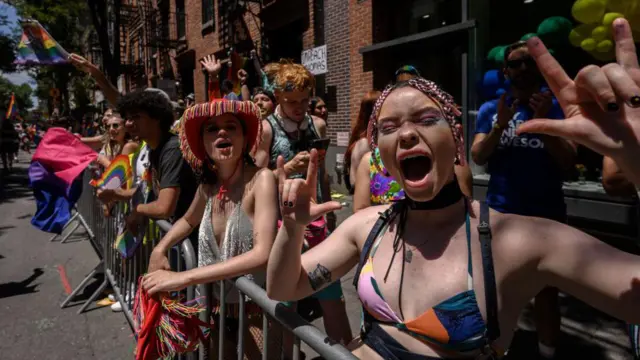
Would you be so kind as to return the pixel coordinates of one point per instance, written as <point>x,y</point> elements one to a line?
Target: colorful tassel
<point>166,328</point>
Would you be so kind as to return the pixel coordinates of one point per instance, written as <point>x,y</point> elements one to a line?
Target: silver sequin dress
<point>238,239</point>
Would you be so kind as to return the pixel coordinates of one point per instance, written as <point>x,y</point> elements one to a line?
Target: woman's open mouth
<point>415,168</point>
<point>223,144</point>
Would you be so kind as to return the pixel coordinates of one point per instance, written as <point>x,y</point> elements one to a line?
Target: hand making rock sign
<point>298,196</point>
<point>602,104</point>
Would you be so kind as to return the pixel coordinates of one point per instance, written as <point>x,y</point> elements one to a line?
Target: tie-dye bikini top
<point>383,189</point>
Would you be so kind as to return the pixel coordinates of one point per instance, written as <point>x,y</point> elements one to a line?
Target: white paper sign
<point>340,158</point>
<point>315,60</point>
<point>342,138</point>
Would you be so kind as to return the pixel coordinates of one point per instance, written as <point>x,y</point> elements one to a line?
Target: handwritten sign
<point>315,60</point>
<point>340,158</point>
<point>342,138</point>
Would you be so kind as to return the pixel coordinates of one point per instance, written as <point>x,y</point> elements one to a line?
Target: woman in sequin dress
<point>217,139</point>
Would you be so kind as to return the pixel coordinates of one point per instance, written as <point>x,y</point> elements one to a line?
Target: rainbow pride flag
<point>37,47</point>
<point>12,110</point>
<point>118,175</point>
<point>237,62</point>
<point>126,243</point>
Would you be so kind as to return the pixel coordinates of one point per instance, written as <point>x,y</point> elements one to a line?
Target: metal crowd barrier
<point>271,309</point>
<point>122,275</point>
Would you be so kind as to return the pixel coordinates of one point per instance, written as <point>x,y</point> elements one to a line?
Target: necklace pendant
<point>408,256</point>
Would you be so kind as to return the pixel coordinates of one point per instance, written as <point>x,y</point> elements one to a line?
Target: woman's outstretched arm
<point>180,230</point>
<point>585,267</point>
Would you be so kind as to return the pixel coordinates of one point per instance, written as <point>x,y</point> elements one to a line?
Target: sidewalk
<point>31,289</point>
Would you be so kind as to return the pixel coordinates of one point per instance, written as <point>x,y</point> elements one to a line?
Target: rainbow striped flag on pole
<point>37,47</point>
<point>12,110</point>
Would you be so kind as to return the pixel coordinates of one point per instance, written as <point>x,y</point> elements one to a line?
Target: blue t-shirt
<point>525,179</point>
<point>232,96</point>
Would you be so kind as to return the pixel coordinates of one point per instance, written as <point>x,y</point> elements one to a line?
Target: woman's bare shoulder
<point>261,180</point>
<point>359,225</point>
<point>262,176</point>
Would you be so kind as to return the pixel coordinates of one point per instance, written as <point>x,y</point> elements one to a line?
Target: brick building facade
<point>210,30</point>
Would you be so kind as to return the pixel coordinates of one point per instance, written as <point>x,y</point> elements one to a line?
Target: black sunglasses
<point>527,61</point>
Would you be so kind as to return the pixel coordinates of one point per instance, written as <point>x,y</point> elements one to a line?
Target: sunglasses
<point>113,126</point>
<point>527,61</point>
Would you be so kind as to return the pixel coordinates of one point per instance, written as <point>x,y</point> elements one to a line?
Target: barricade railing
<point>122,275</point>
<point>289,320</point>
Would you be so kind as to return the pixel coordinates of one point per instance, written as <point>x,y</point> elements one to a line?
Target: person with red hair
<point>358,145</point>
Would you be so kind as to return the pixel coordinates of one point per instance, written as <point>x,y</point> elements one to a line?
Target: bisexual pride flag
<point>37,47</point>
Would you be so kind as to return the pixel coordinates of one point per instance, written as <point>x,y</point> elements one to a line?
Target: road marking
<point>64,279</point>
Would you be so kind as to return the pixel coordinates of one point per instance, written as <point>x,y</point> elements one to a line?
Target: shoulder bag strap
<point>490,291</point>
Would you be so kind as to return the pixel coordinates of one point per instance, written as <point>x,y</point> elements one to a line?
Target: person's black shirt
<point>169,169</point>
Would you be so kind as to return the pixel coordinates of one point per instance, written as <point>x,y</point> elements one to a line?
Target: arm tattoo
<point>319,277</point>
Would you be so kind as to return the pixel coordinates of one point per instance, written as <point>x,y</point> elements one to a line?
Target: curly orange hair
<point>271,69</point>
<point>289,76</point>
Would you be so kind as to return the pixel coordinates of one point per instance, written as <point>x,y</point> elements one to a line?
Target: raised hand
<point>506,112</point>
<point>82,64</point>
<point>297,196</point>
<point>242,76</point>
<point>211,65</point>
<point>602,104</point>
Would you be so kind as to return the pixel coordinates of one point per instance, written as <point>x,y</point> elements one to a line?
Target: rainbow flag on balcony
<point>37,47</point>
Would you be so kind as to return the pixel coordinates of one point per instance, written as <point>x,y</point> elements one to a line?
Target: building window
<point>140,49</point>
<point>207,12</point>
<point>180,19</point>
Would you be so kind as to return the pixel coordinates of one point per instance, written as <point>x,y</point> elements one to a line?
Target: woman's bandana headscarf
<point>444,101</point>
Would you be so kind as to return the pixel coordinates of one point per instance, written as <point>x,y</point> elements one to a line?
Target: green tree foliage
<point>106,14</point>
<point>63,19</point>
<point>23,96</point>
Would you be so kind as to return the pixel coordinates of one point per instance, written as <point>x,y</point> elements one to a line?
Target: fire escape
<point>132,66</point>
<point>152,36</point>
<point>233,29</point>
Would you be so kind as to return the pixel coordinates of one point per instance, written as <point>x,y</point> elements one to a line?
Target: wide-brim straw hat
<point>191,142</point>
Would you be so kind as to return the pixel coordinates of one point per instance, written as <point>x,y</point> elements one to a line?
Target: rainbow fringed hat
<point>191,142</point>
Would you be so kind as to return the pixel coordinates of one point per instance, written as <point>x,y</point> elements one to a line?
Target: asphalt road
<point>33,326</point>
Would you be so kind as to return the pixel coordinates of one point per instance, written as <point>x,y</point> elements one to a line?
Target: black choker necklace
<point>448,195</point>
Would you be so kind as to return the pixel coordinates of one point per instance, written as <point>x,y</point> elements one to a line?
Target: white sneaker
<point>112,297</point>
<point>117,307</point>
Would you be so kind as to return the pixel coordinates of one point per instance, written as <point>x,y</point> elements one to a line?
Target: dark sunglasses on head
<point>528,61</point>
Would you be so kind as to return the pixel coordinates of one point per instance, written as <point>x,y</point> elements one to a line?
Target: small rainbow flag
<point>126,243</point>
<point>37,47</point>
<point>118,175</point>
<point>237,62</point>
<point>12,110</point>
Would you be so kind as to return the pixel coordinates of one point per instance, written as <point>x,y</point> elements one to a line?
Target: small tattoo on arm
<point>319,277</point>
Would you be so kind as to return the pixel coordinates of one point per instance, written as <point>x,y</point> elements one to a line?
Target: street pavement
<point>33,326</point>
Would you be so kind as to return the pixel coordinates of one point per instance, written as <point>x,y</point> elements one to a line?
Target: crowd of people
<point>244,178</point>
